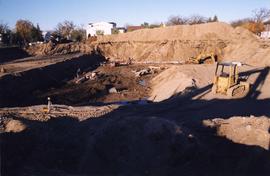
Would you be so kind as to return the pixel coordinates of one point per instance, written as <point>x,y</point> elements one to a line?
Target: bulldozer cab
<point>226,79</point>
<point>228,72</point>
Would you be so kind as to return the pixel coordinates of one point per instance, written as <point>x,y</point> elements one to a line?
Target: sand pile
<point>169,83</point>
<point>207,31</point>
<point>179,43</point>
<point>173,43</point>
<point>180,80</point>
<point>244,130</point>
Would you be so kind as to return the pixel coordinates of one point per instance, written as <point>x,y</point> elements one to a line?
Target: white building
<point>266,33</point>
<point>100,28</point>
<point>121,30</point>
<point>47,35</point>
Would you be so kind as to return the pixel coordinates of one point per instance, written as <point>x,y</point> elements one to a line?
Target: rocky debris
<point>57,111</point>
<point>117,63</point>
<point>87,76</point>
<point>149,70</point>
<point>244,130</point>
<point>113,90</point>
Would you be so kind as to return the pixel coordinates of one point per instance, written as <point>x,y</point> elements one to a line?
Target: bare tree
<point>3,27</point>
<point>26,32</point>
<point>65,29</point>
<point>177,20</point>
<point>78,34</point>
<point>194,19</point>
<point>197,19</point>
<point>241,22</point>
<point>24,29</point>
<point>261,14</point>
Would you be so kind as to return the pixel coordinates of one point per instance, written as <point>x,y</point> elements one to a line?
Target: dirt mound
<point>207,31</point>
<point>59,49</point>
<point>153,143</point>
<point>243,130</point>
<point>179,43</point>
<point>180,80</point>
<point>173,43</point>
<point>169,83</point>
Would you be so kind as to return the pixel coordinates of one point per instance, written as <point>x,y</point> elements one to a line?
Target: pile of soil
<point>170,83</point>
<point>207,31</point>
<point>173,43</point>
<point>180,80</point>
<point>51,48</point>
<point>179,43</point>
<point>244,130</point>
<point>248,49</point>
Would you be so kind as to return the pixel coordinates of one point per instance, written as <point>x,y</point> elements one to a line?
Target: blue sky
<point>49,12</point>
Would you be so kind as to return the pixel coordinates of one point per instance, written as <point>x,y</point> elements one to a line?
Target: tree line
<point>191,20</point>
<point>255,23</point>
<point>26,32</point>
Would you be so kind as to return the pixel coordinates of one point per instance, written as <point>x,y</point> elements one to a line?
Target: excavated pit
<point>168,137</point>
<point>18,89</point>
<point>60,82</point>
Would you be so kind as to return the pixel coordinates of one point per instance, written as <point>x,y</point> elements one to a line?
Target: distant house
<point>47,35</point>
<point>266,33</point>
<point>100,28</point>
<point>121,30</point>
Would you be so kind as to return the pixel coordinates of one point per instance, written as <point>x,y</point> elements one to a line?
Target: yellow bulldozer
<point>204,58</point>
<point>226,80</point>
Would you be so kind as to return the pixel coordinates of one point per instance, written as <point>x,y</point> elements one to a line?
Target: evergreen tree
<point>215,19</point>
<point>36,34</point>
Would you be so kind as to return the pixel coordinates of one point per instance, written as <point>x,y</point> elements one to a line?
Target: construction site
<point>178,100</point>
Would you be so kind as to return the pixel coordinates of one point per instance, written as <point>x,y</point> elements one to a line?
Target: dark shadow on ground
<point>18,90</point>
<point>164,138</point>
<point>12,53</point>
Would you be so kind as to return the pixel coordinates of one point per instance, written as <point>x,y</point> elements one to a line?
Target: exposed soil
<point>129,88</point>
<point>172,44</point>
<point>147,118</point>
<point>244,130</point>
